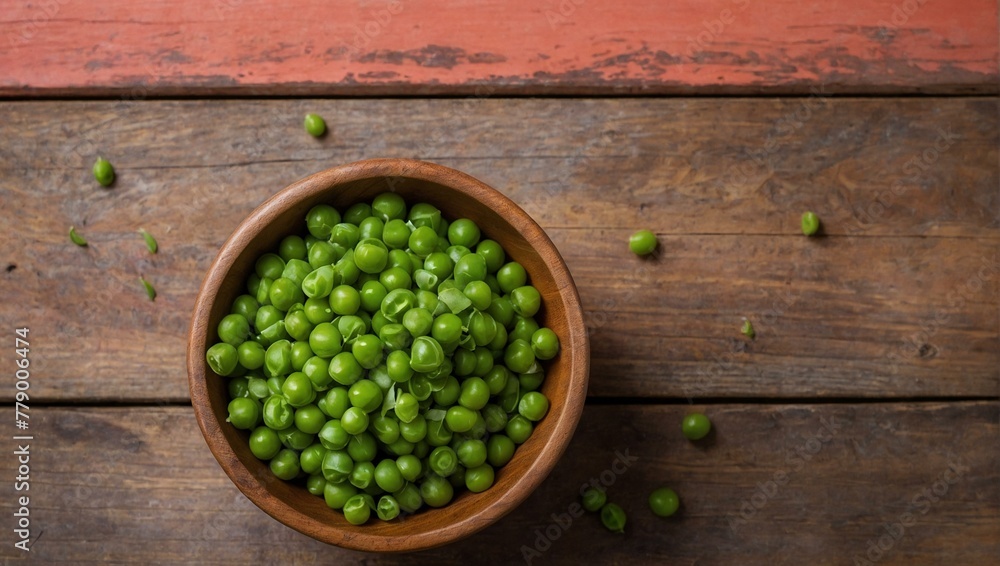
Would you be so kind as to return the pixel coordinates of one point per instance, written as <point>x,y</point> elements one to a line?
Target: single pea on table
<point>385,358</point>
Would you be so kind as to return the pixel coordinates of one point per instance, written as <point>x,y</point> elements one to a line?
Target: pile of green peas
<point>388,358</point>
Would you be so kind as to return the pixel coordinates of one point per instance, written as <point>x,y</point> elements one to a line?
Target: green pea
<point>319,282</point>
<point>345,369</point>
<point>222,358</point>
<point>297,325</point>
<point>407,407</point>
<point>278,414</point>
<point>246,306</point>
<point>298,390</point>
<point>387,508</point>
<point>519,356</point>
<point>519,429</point>
<point>511,276</point>
<point>526,300</point>
<point>244,413</point>
<point>309,419</point>
<point>436,491</point>
<point>362,475</point>
<point>284,293</point>
<point>314,125</point>
<point>494,417</point>
<point>321,219</point>
<point>642,242</point>
<point>533,406</point>
<point>250,355</point>
<point>357,212</point>
<point>264,443</point>
<point>460,419</point>
<point>366,395</point>
<point>426,354</point>
<point>396,303</point>
<point>613,518</point>
<point>356,510</point>
<point>664,502</point>
<point>479,478</point>
<point>316,484</point>
<point>423,214</point>
<point>531,381</point>
<point>438,434</point>
<point>501,310</point>
<point>468,268</point>
<point>415,430</point>
<point>285,465</point>
<point>337,494</point>
<point>278,358</point>
<point>323,253</point>
<point>696,426</point>
<point>355,420</point>
<point>747,329</point>
<point>594,499</point>
<point>810,223</point>
<point>463,232</point>
<point>483,328</point>
<point>395,278</point>
<point>292,247</point>
<point>447,328</point>
<point>311,459</point>
<point>409,498</point>
<point>409,467</point>
<point>337,466</point>
<point>448,395</point>
<point>333,436</point>
<point>104,173</point>
<point>544,343</point>
<point>471,453</point>
<point>318,310</point>
<point>499,450</point>
<point>345,300</point>
<point>385,429</point>
<point>475,394</point>
<point>325,340</point>
<point>388,476</point>
<point>388,206</point>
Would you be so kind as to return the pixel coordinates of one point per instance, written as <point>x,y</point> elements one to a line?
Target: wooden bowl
<point>457,195</point>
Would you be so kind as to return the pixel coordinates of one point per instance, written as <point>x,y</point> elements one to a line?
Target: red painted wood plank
<point>141,48</point>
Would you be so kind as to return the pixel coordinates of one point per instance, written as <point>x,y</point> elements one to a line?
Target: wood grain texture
<point>139,485</point>
<point>145,49</point>
<point>900,298</point>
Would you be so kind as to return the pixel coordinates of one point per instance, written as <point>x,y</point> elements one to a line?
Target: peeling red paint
<point>599,46</point>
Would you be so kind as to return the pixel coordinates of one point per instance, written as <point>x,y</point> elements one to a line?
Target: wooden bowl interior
<point>462,196</point>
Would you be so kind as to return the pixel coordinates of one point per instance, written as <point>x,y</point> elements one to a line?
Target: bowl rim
<point>254,224</point>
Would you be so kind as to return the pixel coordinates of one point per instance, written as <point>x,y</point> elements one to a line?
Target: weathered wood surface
<point>899,300</point>
<point>138,485</point>
<point>139,49</point>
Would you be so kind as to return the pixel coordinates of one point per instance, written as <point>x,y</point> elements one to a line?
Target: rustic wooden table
<point>859,427</point>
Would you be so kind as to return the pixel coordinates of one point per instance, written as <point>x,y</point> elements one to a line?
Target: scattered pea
<point>696,426</point>
<point>594,499</point>
<point>104,172</point>
<point>747,329</point>
<point>810,223</point>
<point>150,241</point>
<point>315,125</point>
<point>613,518</point>
<point>664,502</point>
<point>76,238</point>
<point>150,291</point>
<point>642,242</point>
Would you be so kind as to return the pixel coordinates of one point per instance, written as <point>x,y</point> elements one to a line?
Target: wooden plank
<point>521,47</point>
<point>917,316</point>
<point>139,485</point>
